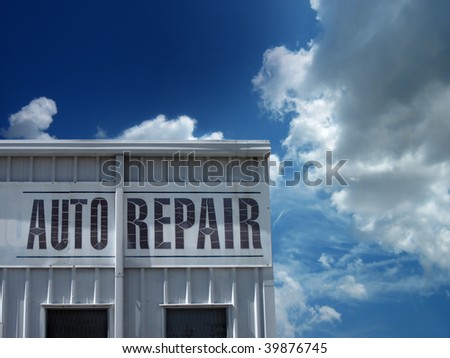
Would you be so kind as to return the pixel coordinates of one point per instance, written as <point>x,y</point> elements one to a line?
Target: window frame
<point>227,307</point>
<point>45,307</point>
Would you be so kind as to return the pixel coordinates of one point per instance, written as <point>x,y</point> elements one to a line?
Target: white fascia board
<point>201,148</point>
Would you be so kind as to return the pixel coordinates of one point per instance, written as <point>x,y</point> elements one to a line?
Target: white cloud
<point>161,128</point>
<point>212,136</point>
<point>101,133</point>
<point>325,260</point>
<point>294,314</point>
<point>282,77</point>
<point>375,88</point>
<point>32,121</point>
<point>325,314</point>
<point>354,289</point>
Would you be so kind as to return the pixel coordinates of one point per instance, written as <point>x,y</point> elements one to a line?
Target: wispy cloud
<point>280,215</point>
<point>101,133</point>
<point>326,261</point>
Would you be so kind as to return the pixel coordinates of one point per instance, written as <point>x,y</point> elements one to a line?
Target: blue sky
<point>368,81</point>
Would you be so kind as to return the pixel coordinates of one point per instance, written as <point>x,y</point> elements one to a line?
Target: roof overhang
<point>199,148</point>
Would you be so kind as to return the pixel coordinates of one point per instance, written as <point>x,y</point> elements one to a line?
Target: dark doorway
<point>196,323</point>
<point>77,323</point>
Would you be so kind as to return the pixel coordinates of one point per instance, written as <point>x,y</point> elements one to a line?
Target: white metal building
<point>142,239</point>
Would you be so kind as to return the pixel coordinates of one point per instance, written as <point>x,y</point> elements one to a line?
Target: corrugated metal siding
<point>25,292</point>
<point>52,169</point>
<point>89,169</point>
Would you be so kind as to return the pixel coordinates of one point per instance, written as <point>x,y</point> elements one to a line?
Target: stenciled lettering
<point>160,221</point>
<point>61,221</point>
<point>60,244</point>
<point>249,221</point>
<point>184,219</point>
<point>137,213</point>
<point>37,225</point>
<point>203,223</point>
<point>208,225</point>
<point>99,215</point>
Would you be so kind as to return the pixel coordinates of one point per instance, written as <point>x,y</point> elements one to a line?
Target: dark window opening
<point>77,323</point>
<point>196,323</point>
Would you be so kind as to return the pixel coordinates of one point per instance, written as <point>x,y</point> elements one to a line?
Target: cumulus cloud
<point>32,121</point>
<point>212,136</point>
<point>374,87</point>
<point>161,128</point>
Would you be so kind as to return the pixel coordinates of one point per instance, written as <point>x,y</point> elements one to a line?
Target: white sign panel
<point>66,224</point>
<point>56,224</point>
<point>198,226</point>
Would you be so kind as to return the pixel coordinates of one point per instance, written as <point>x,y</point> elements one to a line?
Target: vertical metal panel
<point>62,280</point>
<point>14,302</point>
<point>166,286</point>
<point>64,169</point>
<point>211,292</point>
<point>42,169</point>
<point>3,276</point>
<point>154,296</point>
<point>19,168</point>
<point>245,302</point>
<point>85,284</point>
<point>37,296</point>
<point>30,169</point>
<point>50,286</point>
<point>87,169</point>
<point>256,301</point>
<point>3,168</point>
<point>106,288</point>
<point>96,297</point>
<point>223,292</point>
<point>132,305</point>
<point>103,163</point>
<point>73,286</point>
<point>268,301</point>
<point>234,301</point>
<point>134,170</point>
<point>200,286</point>
<point>144,303</point>
<point>188,295</point>
<point>177,285</point>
